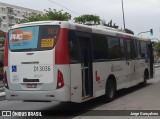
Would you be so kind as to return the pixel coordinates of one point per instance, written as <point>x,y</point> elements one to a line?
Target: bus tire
<point>110,90</point>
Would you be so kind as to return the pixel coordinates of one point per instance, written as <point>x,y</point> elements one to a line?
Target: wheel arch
<point>146,72</point>
<point>112,77</point>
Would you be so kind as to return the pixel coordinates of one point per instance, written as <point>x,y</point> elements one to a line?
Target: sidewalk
<point>156,66</point>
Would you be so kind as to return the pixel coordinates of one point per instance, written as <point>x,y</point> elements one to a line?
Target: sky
<point>140,15</point>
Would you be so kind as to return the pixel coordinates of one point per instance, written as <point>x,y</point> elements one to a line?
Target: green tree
<point>88,19</point>
<point>57,15</point>
<point>129,31</point>
<point>48,15</point>
<point>111,24</point>
<point>157,48</point>
<point>38,17</point>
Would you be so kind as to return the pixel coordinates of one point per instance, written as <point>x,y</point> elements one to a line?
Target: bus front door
<point>86,66</point>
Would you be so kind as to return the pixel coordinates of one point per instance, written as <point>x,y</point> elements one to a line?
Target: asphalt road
<point>134,98</point>
<point>1,86</point>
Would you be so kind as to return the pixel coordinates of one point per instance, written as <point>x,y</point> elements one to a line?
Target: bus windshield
<point>33,38</point>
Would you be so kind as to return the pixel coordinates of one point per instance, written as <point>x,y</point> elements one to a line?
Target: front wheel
<point>110,90</point>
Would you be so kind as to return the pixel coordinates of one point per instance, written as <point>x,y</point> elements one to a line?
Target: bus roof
<point>86,28</point>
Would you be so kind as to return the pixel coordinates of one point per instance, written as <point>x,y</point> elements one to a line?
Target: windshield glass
<point>33,38</point>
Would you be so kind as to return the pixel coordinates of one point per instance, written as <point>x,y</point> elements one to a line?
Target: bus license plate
<point>31,85</point>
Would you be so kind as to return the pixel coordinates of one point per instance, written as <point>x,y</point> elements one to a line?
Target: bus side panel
<point>141,69</point>
<point>101,72</point>
<point>122,74</point>
<point>76,83</point>
<point>65,69</point>
<point>6,69</point>
<point>134,74</point>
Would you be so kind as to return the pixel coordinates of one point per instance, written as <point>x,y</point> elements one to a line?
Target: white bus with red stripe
<point>65,61</point>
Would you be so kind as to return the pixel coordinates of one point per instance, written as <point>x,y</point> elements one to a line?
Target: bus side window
<point>143,49</point>
<point>73,47</point>
<point>99,43</point>
<point>122,47</point>
<point>138,50</point>
<point>133,49</point>
<point>128,53</point>
<point>113,48</point>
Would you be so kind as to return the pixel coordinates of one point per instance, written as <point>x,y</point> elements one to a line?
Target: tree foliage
<point>157,48</point>
<point>48,15</point>
<point>53,14</point>
<point>129,31</point>
<point>88,19</point>
<point>57,15</point>
<point>111,24</point>
<point>38,17</point>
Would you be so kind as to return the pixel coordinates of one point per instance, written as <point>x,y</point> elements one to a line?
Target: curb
<point>156,66</point>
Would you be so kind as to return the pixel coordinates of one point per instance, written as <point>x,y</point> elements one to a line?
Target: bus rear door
<point>86,64</point>
<point>80,65</point>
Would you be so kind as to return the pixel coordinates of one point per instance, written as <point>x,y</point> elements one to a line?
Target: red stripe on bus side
<point>61,48</point>
<point>127,37</point>
<point>5,59</point>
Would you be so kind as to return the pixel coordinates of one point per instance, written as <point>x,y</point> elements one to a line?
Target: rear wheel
<point>110,90</point>
<point>144,83</point>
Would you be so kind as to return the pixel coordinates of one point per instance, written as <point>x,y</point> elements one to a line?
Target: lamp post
<point>123,16</point>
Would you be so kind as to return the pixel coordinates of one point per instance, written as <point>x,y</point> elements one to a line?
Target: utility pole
<point>123,16</point>
<point>151,31</point>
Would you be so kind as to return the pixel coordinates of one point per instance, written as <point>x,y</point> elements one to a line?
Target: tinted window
<point>33,38</point>
<point>122,48</point>
<point>143,49</point>
<point>128,43</point>
<point>73,48</point>
<point>138,50</point>
<point>99,47</point>
<point>48,36</point>
<point>113,47</point>
<point>133,49</point>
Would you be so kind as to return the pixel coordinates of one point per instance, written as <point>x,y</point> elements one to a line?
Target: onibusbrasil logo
<point>21,113</point>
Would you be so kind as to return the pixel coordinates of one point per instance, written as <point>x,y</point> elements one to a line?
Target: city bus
<point>69,62</point>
